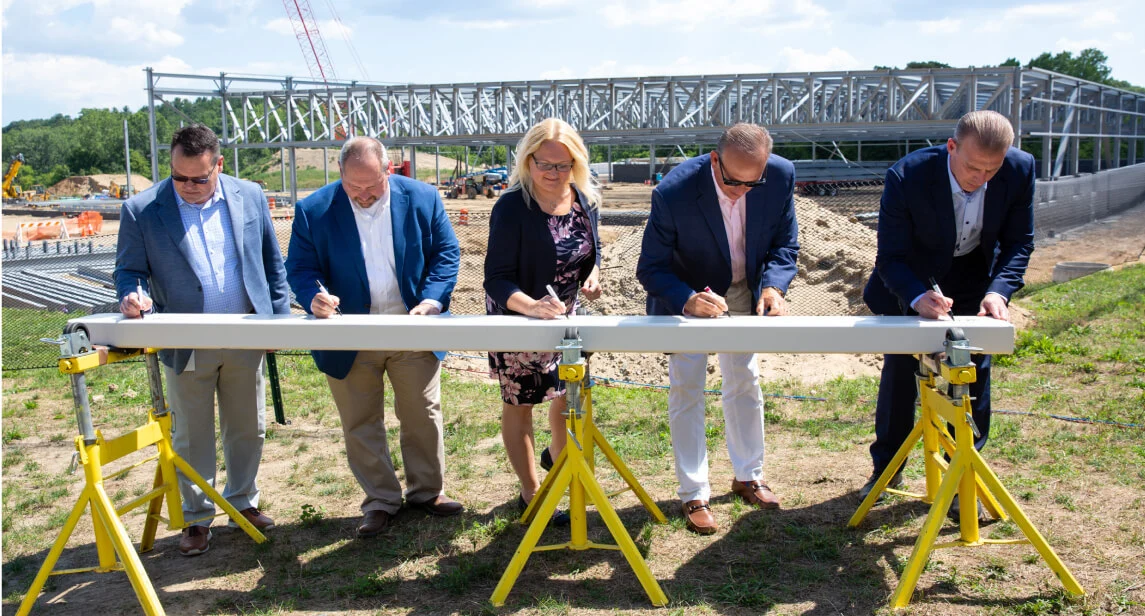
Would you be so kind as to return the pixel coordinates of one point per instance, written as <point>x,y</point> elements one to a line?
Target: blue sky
<point>60,56</point>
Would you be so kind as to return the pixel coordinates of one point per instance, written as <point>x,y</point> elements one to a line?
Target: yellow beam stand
<point>573,471</point>
<point>967,475</point>
<point>113,545</point>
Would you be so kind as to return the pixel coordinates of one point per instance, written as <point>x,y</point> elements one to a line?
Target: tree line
<point>92,142</point>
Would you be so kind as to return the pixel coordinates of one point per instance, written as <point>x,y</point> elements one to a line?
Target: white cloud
<point>1100,18</point>
<point>683,14</point>
<point>940,26</point>
<point>81,81</point>
<point>280,26</point>
<point>834,59</point>
<point>563,72</point>
<point>490,24</point>
<point>1077,45</point>
<point>148,33</point>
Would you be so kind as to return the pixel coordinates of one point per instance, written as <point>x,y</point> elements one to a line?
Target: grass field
<point>1082,485</point>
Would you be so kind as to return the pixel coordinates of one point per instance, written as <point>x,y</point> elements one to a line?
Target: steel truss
<point>849,106</point>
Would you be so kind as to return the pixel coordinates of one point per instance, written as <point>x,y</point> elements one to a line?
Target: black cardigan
<point>521,255</point>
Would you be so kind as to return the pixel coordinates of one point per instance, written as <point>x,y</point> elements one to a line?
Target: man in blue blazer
<point>721,239</point>
<point>962,214</point>
<point>376,243</point>
<point>203,242</point>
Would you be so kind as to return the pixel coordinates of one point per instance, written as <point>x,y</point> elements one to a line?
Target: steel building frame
<point>843,106</point>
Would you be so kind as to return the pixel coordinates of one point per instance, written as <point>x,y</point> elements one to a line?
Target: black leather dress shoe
<point>374,522</point>
<point>895,483</point>
<point>442,506</point>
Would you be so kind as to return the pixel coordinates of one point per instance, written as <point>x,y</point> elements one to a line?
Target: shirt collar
<point>719,191</point>
<point>375,210</point>
<point>955,187</point>
<point>215,198</point>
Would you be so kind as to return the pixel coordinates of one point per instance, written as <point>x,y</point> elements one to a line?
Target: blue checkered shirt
<point>214,255</point>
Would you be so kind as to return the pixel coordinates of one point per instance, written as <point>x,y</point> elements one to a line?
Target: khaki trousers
<point>360,397</point>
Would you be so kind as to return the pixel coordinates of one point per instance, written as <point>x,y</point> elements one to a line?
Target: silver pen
<point>139,293</point>
<point>322,289</point>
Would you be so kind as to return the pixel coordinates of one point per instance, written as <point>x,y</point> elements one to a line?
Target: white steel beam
<point>621,334</point>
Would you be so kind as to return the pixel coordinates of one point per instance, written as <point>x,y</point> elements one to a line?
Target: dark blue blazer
<point>521,255</point>
<point>916,233</point>
<point>325,245</point>
<point>686,247</point>
<point>153,250</point>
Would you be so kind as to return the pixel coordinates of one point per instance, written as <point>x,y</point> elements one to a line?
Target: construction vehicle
<point>489,182</point>
<point>115,191</point>
<point>12,190</point>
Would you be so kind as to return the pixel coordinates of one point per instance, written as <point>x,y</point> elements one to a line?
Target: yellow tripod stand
<point>967,474</point>
<point>112,544</point>
<point>573,471</point>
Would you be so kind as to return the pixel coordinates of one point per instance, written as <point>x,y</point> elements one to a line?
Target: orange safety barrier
<point>270,202</point>
<point>31,231</point>
<point>463,217</point>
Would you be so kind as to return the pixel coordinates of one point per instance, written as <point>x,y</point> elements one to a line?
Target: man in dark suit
<point>376,243</point>
<point>202,242</point>
<point>962,214</point>
<point>721,239</point>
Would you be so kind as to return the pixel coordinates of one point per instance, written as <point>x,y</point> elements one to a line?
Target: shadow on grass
<point>426,565</point>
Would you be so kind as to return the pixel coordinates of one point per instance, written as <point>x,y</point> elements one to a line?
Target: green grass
<point>1080,484</point>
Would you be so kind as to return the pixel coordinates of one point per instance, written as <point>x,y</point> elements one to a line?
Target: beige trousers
<point>360,397</point>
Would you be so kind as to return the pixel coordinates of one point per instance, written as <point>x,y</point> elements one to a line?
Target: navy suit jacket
<point>917,232</point>
<point>153,249</point>
<point>686,247</point>
<point>521,255</point>
<point>325,245</point>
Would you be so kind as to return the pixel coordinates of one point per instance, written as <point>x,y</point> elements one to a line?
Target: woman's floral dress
<point>531,378</point>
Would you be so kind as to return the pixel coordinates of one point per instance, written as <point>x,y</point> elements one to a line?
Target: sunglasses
<point>750,184</point>
<point>200,181</point>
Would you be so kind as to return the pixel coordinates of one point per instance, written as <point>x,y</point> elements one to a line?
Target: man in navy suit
<point>960,213</point>
<point>721,239</point>
<point>202,242</point>
<point>376,243</point>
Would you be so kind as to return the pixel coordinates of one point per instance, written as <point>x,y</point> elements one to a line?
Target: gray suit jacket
<point>153,249</point>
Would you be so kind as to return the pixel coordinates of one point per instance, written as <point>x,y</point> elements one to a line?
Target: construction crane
<point>12,191</point>
<point>313,46</point>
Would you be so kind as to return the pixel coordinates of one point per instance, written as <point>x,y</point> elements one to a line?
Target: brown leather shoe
<point>374,522</point>
<point>442,506</point>
<point>195,540</point>
<point>255,517</point>
<point>699,517</point>
<point>756,493</point>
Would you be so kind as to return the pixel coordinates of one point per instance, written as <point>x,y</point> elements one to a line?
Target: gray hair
<point>358,148</point>
<point>745,138</point>
<point>991,130</point>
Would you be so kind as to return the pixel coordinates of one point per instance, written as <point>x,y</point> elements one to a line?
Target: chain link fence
<point>46,283</point>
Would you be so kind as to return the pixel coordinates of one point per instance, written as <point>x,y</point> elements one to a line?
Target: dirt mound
<point>80,185</point>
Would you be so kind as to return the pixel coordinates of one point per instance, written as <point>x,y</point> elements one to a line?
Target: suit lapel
<point>709,205</point>
<point>993,205</point>
<point>399,208</point>
<point>234,201</point>
<point>348,236</point>
<point>944,204</point>
<point>168,213</point>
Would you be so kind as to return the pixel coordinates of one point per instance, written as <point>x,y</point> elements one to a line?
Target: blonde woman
<point>543,233</point>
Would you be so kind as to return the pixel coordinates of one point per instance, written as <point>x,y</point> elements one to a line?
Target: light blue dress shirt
<point>214,254</point>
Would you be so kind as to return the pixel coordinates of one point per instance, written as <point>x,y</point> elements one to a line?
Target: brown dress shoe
<point>374,522</point>
<point>699,517</point>
<point>195,540</point>
<point>255,517</point>
<point>441,506</point>
<point>756,493</point>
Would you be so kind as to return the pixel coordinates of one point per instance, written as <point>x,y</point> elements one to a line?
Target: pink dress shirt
<point>735,218</point>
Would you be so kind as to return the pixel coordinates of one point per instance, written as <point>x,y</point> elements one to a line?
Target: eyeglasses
<point>560,167</point>
<point>750,184</point>
<point>199,181</point>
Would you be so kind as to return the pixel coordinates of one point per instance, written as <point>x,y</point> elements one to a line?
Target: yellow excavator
<point>12,190</point>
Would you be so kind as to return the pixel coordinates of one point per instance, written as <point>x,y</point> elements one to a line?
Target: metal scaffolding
<point>839,107</point>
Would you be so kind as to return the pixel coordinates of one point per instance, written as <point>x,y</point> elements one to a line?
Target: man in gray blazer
<point>203,242</point>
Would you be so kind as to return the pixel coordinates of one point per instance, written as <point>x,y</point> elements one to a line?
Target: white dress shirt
<point>376,231</point>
